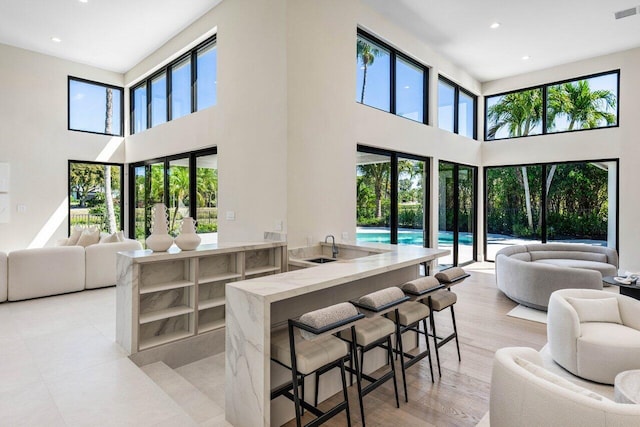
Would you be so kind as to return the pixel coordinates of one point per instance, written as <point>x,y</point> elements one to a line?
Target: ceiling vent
<point>627,12</point>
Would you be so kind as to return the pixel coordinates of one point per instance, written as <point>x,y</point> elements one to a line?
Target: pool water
<point>409,237</point>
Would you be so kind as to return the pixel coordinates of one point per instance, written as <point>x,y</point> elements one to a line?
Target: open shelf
<point>165,286</point>
<point>165,313</point>
<point>224,277</point>
<point>210,326</point>
<point>163,339</point>
<point>210,303</point>
<point>261,270</point>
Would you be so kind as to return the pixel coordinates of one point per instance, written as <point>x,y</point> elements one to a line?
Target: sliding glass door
<point>391,197</point>
<point>456,213</point>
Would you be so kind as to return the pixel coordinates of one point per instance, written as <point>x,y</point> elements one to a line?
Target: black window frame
<point>393,54</point>
<point>543,198</point>
<point>192,56</point>
<point>192,157</point>
<point>544,88</point>
<point>456,106</point>
<point>95,83</point>
<point>393,206</point>
<point>122,188</point>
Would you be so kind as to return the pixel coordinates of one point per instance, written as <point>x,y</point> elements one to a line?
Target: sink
<point>321,260</point>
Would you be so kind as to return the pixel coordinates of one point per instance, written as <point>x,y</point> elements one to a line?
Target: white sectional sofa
<point>525,394</point>
<point>32,273</point>
<point>528,274</point>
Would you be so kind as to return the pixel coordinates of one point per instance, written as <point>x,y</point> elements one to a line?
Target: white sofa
<point>525,394</point>
<point>32,273</point>
<point>594,334</point>
<point>528,274</point>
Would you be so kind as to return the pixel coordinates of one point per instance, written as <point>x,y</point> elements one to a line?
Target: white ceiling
<point>117,34</point>
<point>551,32</point>
<point>110,34</point>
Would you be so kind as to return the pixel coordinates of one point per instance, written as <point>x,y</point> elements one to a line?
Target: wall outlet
<point>22,208</point>
<point>231,216</point>
<point>309,240</point>
<point>345,236</point>
<point>278,226</point>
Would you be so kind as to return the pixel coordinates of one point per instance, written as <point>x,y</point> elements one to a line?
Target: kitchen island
<point>256,307</point>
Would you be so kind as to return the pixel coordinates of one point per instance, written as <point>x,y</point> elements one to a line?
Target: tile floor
<point>60,366</point>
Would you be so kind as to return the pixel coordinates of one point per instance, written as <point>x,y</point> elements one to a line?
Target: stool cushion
<point>422,284</point>
<point>381,298</point>
<point>370,330</point>
<point>326,316</point>
<point>450,274</point>
<point>311,355</point>
<point>410,312</point>
<point>442,299</point>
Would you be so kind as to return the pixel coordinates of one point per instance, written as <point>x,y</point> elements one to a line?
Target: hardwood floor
<point>461,396</point>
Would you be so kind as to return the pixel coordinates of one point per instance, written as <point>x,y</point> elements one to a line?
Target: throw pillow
<point>542,373</point>
<point>75,236</point>
<point>90,236</point>
<point>109,238</point>
<point>596,309</point>
<point>120,236</point>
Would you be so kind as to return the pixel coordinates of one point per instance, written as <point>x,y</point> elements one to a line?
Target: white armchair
<point>594,334</point>
<point>525,394</point>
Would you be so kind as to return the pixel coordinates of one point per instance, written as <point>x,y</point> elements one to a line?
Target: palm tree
<point>583,107</point>
<point>108,195</point>
<point>178,191</point>
<point>367,54</point>
<point>377,176</point>
<point>519,112</point>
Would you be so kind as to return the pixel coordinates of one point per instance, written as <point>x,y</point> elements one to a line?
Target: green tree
<point>583,108</point>
<point>367,54</point>
<point>178,192</point>
<point>376,176</point>
<point>85,178</point>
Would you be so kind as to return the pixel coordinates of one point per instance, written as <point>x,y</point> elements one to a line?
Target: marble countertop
<point>147,255</point>
<point>298,282</point>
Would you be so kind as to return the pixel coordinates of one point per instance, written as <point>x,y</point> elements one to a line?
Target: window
<point>182,87</point>
<point>391,197</point>
<point>456,109</point>
<point>95,107</point>
<point>176,181</point>
<point>572,202</point>
<point>388,80</point>
<point>588,102</point>
<point>95,195</point>
<point>457,212</point>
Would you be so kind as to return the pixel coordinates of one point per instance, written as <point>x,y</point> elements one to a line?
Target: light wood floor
<point>461,396</point>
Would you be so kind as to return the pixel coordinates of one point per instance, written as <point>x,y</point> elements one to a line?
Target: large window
<point>391,197</point>
<point>95,107</point>
<point>182,87</point>
<point>457,212</point>
<point>456,109</point>
<point>574,202</point>
<point>389,80</point>
<point>95,195</point>
<point>176,181</point>
<point>588,102</point>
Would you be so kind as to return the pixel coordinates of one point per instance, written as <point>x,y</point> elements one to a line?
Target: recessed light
<point>56,39</point>
<point>494,25</point>
<point>83,1</point>
<point>526,58</point>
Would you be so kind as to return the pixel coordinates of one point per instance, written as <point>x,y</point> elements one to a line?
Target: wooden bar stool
<point>441,299</point>
<point>306,346</point>
<point>375,331</point>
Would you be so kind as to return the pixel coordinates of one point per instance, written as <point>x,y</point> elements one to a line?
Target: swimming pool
<point>409,236</point>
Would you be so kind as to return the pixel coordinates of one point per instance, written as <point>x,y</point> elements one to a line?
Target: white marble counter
<point>254,305</point>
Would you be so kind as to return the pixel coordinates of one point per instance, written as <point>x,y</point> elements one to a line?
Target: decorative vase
<point>188,240</point>
<point>159,240</point>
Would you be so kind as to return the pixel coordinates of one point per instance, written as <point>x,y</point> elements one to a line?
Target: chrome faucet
<point>334,248</point>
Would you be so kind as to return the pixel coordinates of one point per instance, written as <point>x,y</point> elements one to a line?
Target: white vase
<point>188,240</point>
<point>159,240</point>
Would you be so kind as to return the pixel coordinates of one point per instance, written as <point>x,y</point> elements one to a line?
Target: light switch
<point>231,216</point>
<point>22,208</point>
<point>278,226</point>
<point>345,236</point>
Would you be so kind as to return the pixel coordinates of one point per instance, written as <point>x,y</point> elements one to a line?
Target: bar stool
<point>308,346</point>
<point>441,299</point>
<point>375,331</point>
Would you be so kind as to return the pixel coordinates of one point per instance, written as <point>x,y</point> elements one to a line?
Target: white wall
<point>37,145</point>
<point>620,142</point>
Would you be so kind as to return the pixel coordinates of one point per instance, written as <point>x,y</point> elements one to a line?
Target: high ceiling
<point>109,34</point>
<point>550,32</point>
<point>117,34</point>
